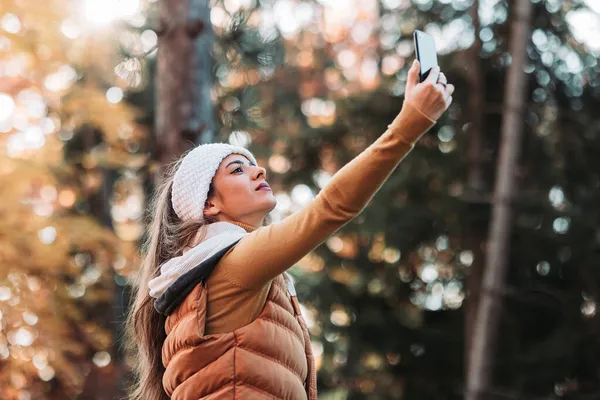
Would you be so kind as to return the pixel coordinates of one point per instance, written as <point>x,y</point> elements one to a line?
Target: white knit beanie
<point>194,175</point>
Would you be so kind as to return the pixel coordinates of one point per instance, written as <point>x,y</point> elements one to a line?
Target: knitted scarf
<point>218,236</point>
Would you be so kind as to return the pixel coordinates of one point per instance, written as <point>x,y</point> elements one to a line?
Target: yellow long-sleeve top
<point>238,287</point>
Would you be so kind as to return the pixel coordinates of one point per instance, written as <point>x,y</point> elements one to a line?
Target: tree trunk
<point>475,194</point>
<point>201,119</point>
<point>184,78</point>
<point>488,312</point>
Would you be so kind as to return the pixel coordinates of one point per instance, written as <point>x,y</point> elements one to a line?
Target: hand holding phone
<point>426,88</point>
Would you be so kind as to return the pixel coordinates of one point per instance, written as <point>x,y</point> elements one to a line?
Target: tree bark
<point>201,119</point>
<point>474,194</point>
<point>184,78</point>
<point>476,102</point>
<point>486,325</point>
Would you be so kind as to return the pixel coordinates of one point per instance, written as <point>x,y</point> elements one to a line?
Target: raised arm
<point>270,250</point>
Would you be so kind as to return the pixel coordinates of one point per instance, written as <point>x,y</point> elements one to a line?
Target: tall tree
<point>476,194</point>
<point>184,111</point>
<point>486,325</point>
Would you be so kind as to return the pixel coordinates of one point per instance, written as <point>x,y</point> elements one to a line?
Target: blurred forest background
<point>97,96</point>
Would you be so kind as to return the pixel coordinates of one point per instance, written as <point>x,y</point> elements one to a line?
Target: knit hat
<point>194,175</point>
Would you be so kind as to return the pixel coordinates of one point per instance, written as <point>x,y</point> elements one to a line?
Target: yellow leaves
<point>40,51</point>
<point>41,14</point>
<point>56,266</point>
<point>40,27</point>
<point>115,157</point>
<point>49,154</point>
<point>89,105</point>
<point>86,233</point>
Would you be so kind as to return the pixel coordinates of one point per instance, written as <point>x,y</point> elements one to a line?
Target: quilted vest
<point>269,358</point>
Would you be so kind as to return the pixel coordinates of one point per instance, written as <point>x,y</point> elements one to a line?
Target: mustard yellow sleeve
<point>268,251</point>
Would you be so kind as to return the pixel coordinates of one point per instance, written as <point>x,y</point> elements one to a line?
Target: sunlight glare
<point>7,106</point>
<point>103,12</point>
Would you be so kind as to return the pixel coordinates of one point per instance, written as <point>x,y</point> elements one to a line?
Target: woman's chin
<point>272,204</point>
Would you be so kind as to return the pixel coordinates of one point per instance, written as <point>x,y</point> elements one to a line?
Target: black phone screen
<point>425,49</point>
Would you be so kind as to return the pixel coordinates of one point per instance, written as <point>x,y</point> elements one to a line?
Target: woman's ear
<point>211,209</point>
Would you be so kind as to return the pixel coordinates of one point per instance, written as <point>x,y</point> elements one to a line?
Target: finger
<point>413,76</point>
<point>433,75</point>
<point>448,102</point>
<point>449,90</point>
<point>442,79</point>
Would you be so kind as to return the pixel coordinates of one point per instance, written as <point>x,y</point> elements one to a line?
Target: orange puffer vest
<point>269,358</point>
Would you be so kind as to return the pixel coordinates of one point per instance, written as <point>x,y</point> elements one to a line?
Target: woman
<point>214,313</point>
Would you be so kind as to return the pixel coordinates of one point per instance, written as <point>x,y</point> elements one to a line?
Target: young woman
<point>214,313</point>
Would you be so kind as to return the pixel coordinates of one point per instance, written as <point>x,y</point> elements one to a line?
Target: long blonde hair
<point>166,238</point>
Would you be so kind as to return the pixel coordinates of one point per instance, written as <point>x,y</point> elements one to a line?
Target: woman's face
<point>236,194</point>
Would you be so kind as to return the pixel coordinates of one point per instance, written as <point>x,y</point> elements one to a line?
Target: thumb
<point>433,76</point>
<point>412,78</point>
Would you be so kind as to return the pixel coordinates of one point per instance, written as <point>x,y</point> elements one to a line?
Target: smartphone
<point>425,51</point>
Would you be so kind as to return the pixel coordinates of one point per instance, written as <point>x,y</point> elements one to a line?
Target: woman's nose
<point>260,171</point>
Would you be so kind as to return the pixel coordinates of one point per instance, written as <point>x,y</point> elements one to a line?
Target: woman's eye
<point>238,169</point>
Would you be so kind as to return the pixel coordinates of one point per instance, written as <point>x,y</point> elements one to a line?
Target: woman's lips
<point>264,186</point>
